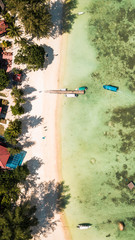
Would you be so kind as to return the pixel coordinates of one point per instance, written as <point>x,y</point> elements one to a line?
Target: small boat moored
<point>84,226</point>
<point>111,88</point>
<point>71,95</point>
<point>82,88</point>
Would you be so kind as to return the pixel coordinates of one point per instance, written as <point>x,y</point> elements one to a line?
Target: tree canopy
<point>32,55</point>
<point>9,190</point>
<point>35,15</point>
<point>4,79</point>
<point>13,131</point>
<point>15,224</point>
<point>16,219</point>
<point>17,109</point>
<point>112,32</point>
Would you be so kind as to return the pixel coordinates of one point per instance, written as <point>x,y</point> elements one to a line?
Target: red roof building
<point>3,27</point>
<point>4,156</point>
<point>17,77</point>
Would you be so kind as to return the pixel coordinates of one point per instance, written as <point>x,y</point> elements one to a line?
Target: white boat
<point>84,226</point>
<point>80,13</point>
<point>63,89</point>
<point>71,95</point>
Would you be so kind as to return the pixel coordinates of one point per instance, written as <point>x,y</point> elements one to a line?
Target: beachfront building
<point>8,161</point>
<point>4,156</point>
<point>3,27</point>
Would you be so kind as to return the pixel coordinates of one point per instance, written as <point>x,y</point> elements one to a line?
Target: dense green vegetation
<point>13,131</point>
<point>4,80</point>
<point>17,109</point>
<point>14,31</point>
<point>6,44</point>
<point>35,15</point>
<point>15,219</point>
<point>17,71</point>
<point>112,33</point>
<point>32,55</point>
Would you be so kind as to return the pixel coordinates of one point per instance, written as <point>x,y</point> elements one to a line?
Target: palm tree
<point>17,222</point>
<point>14,31</point>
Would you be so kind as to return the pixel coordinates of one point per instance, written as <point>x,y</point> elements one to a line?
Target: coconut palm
<point>14,31</point>
<point>16,223</point>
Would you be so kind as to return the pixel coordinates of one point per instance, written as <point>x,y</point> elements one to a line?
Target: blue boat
<point>111,88</point>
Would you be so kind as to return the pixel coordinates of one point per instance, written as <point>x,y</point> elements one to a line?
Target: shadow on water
<point>63,16</point>
<point>53,199</point>
<point>68,15</point>
<point>48,197</point>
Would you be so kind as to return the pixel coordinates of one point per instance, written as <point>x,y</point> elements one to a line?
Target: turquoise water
<point>93,133</point>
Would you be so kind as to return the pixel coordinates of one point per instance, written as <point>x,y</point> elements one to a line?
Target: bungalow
<point>4,156</point>
<point>3,27</point>
<point>8,161</point>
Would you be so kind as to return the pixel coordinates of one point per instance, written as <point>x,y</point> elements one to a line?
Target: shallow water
<point>92,145</point>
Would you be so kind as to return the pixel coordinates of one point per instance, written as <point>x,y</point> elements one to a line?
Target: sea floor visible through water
<point>98,140</point>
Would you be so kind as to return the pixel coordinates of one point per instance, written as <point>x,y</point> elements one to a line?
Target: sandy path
<point>40,121</point>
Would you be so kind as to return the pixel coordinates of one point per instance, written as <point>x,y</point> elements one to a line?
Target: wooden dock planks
<point>65,91</point>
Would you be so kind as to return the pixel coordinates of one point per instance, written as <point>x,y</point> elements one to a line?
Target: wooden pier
<point>65,91</point>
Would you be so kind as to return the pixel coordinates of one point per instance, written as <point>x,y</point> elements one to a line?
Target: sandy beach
<point>40,139</point>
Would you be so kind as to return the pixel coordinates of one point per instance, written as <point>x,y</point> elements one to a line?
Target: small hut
<point>131,185</point>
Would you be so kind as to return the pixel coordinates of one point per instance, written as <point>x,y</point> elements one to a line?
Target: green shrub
<point>17,109</point>
<point>4,79</point>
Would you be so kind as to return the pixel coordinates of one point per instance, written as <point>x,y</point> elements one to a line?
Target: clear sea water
<point>92,150</point>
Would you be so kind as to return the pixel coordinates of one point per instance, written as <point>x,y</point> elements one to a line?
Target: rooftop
<point>4,155</point>
<point>3,27</point>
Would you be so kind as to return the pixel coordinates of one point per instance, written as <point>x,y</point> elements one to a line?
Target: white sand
<point>43,108</point>
<point>42,156</point>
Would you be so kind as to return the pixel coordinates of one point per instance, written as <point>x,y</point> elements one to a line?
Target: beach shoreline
<point>42,118</point>
<point>62,65</point>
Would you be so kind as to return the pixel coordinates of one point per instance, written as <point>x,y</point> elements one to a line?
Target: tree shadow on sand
<point>54,198</point>
<point>62,16</point>
<point>27,105</point>
<point>25,142</point>
<point>49,59</point>
<point>27,89</point>
<point>30,121</point>
<point>33,165</point>
<point>49,198</point>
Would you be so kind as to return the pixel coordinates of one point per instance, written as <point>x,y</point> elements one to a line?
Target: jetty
<point>64,91</point>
